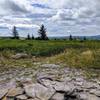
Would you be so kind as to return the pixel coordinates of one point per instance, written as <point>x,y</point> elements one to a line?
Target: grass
<point>35,48</point>
<point>75,54</point>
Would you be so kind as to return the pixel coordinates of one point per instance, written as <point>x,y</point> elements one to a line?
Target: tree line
<point>41,32</point>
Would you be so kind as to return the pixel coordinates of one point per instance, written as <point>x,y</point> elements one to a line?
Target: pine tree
<point>28,37</point>
<point>15,33</point>
<point>32,37</point>
<point>84,38</point>
<point>70,37</point>
<point>42,33</point>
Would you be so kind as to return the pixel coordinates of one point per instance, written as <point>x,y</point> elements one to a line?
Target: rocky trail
<point>47,82</point>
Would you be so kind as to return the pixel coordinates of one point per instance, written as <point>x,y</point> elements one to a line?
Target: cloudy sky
<point>60,17</point>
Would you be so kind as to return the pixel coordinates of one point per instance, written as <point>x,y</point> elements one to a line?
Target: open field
<point>75,54</point>
<point>46,48</point>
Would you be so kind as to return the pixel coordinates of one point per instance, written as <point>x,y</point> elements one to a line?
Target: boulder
<point>89,85</point>
<point>82,96</point>
<point>63,87</point>
<point>58,86</point>
<point>24,81</point>
<point>30,90</point>
<point>34,99</point>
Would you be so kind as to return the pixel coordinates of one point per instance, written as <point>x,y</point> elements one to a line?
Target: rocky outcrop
<point>50,83</point>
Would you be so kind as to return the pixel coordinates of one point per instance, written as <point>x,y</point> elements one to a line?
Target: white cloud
<point>68,13</point>
<point>14,7</point>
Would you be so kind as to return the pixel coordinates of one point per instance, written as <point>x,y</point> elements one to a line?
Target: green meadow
<point>74,54</point>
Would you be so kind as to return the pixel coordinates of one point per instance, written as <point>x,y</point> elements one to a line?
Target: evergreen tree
<point>32,37</point>
<point>70,37</point>
<point>15,33</point>
<point>84,38</point>
<point>42,33</point>
<point>28,37</point>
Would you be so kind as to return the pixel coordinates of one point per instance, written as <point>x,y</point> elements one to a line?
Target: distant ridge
<point>96,37</point>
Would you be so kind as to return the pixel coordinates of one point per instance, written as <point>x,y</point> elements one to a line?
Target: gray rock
<point>61,86</point>
<point>66,79</point>
<point>96,92</point>
<point>58,96</point>
<point>80,79</point>
<point>53,66</point>
<point>87,96</point>
<point>3,92</point>
<point>7,84</point>
<point>90,85</point>
<point>19,56</point>
<point>39,91</point>
<point>14,92</point>
<point>21,97</point>
<point>34,99</point>
<point>82,96</point>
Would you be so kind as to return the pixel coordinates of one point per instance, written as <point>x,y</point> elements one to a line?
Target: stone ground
<point>47,82</point>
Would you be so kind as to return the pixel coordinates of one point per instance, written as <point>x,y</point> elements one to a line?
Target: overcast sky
<point>60,17</point>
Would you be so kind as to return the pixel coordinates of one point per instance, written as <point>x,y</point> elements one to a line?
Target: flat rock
<point>96,92</point>
<point>46,81</point>
<point>21,97</point>
<point>39,91</point>
<point>93,97</point>
<point>34,99</point>
<point>3,92</point>
<point>58,96</point>
<point>58,86</point>
<point>14,92</point>
<point>61,86</point>
<point>87,96</point>
<point>82,96</point>
<point>24,81</point>
<point>53,66</point>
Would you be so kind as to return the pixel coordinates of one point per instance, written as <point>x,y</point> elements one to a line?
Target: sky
<point>60,17</point>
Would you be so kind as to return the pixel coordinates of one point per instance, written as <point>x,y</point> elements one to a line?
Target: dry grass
<point>77,58</point>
